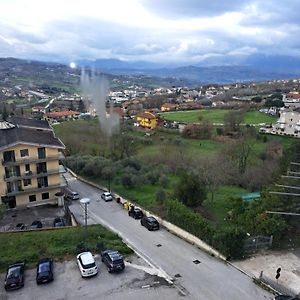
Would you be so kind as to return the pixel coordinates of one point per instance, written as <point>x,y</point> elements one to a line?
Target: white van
<point>87,264</point>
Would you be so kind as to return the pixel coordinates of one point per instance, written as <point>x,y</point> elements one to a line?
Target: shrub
<point>182,216</point>
<point>153,176</point>
<point>229,240</point>
<point>160,196</point>
<point>190,190</point>
<point>164,181</point>
<point>128,180</point>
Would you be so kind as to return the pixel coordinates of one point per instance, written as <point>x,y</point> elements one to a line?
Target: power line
<point>287,194</point>
<point>286,176</point>
<point>288,186</point>
<point>282,213</point>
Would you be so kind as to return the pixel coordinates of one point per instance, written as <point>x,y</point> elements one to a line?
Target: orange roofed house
<point>62,115</point>
<point>148,120</point>
<point>168,107</point>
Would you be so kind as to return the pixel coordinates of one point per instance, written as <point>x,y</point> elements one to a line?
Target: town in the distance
<point>159,187</point>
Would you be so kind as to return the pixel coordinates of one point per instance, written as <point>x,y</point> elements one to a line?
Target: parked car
<point>14,278</point>
<point>58,222</point>
<point>135,213</point>
<point>87,264</point>
<point>107,196</point>
<point>113,260</point>
<point>44,270</point>
<point>150,223</point>
<point>286,297</point>
<point>36,224</point>
<point>71,195</point>
<point>20,226</point>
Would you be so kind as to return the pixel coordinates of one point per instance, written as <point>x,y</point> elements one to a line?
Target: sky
<point>168,31</point>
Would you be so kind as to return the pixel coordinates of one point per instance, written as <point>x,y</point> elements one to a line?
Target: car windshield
<point>88,266</point>
<point>152,220</point>
<point>118,261</point>
<point>14,272</point>
<point>44,267</point>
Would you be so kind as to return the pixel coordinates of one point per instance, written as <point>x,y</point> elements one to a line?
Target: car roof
<point>107,193</point>
<point>86,258</point>
<point>114,255</point>
<point>152,219</point>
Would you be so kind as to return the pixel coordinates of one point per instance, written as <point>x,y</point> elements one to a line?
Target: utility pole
<point>85,202</point>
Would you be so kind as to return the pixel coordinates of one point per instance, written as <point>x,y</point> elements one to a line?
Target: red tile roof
<point>62,113</point>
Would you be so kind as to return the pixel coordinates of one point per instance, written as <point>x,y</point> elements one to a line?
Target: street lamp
<point>85,202</point>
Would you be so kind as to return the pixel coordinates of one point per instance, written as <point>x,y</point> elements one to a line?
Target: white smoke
<point>95,88</point>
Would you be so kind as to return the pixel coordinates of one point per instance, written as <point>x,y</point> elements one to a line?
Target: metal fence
<point>256,243</point>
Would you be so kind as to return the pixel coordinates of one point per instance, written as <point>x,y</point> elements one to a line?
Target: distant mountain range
<point>250,68</point>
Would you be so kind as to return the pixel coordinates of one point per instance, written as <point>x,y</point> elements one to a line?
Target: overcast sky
<point>153,30</point>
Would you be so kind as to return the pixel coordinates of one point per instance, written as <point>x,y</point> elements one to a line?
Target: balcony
<point>20,191</point>
<point>31,159</point>
<point>30,174</point>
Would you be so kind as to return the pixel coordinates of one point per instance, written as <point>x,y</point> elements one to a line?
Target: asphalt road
<point>209,279</point>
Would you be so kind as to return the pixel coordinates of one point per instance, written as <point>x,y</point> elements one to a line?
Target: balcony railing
<point>35,189</point>
<point>30,174</point>
<point>32,159</point>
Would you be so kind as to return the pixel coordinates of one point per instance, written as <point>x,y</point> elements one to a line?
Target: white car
<point>87,264</point>
<point>107,196</point>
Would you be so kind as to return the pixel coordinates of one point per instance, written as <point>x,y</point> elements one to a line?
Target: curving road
<point>174,258</point>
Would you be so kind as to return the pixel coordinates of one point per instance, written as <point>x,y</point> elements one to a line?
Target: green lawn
<point>219,208</point>
<point>215,116</point>
<point>59,243</point>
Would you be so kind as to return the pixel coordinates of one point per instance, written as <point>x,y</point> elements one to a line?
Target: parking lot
<point>45,214</point>
<point>135,282</point>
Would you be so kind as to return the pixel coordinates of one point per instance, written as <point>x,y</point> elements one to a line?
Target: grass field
<point>58,244</point>
<point>219,208</point>
<point>215,116</point>
<point>161,145</point>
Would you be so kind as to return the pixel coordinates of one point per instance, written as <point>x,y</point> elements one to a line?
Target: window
<point>27,167</point>
<point>42,153</point>
<point>32,198</point>
<point>9,156</point>
<point>42,182</point>
<point>41,168</point>
<point>45,196</point>
<point>26,182</point>
<point>24,152</point>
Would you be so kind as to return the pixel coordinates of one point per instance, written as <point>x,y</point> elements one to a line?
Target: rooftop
<point>28,131</point>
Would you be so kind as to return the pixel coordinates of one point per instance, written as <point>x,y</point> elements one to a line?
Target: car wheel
<point>109,269</point>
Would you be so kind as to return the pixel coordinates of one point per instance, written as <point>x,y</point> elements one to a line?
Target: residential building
<point>168,107</point>
<point>147,120</point>
<point>59,116</point>
<point>30,170</point>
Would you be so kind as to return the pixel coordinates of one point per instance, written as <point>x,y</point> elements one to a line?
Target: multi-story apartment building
<point>30,170</point>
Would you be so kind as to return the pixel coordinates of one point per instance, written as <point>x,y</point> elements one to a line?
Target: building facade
<point>30,170</point>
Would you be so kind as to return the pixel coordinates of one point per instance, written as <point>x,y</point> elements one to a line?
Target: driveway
<point>195,273</point>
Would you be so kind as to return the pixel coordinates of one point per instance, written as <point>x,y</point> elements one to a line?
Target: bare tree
<point>238,152</point>
<point>233,120</point>
<point>214,172</point>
